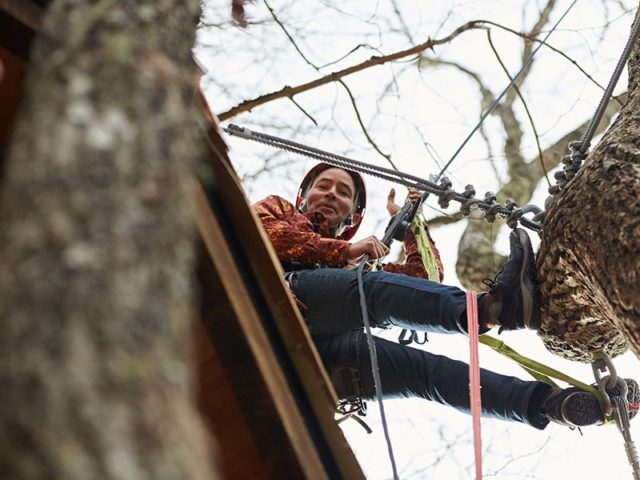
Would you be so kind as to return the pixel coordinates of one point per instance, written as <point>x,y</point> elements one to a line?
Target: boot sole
<point>582,409</point>
<point>526,285</point>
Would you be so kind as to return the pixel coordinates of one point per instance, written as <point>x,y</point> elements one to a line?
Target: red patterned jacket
<point>305,239</point>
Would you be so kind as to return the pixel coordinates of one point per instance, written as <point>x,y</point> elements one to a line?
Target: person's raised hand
<point>393,207</point>
<point>371,245</point>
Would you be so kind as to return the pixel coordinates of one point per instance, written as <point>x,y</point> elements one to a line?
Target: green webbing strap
<point>424,248</point>
<point>536,369</point>
<point>430,265</point>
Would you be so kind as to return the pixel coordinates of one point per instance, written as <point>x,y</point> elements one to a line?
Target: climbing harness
<point>407,337</point>
<point>347,379</point>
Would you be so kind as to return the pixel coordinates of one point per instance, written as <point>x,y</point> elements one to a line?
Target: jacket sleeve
<point>293,237</point>
<point>413,264</point>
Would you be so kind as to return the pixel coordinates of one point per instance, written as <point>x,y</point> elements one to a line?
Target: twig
<point>307,114</point>
<point>364,129</point>
<point>528,47</point>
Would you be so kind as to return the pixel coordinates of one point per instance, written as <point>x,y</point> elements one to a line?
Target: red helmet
<point>348,228</point>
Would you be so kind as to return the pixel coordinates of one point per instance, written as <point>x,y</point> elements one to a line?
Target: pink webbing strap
<point>474,378</point>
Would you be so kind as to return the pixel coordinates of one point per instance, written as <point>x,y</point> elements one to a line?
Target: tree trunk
<point>589,258</point>
<point>96,250</point>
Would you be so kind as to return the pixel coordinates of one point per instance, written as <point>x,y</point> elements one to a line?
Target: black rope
<point>375,369</point>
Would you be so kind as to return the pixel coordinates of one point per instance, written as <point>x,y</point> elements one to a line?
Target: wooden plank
<point>257,338</point>
<point>237,449</point>
<point>291,327</point>
<point>252,398</point>
<point>25,11</point>
<point>11,93</point>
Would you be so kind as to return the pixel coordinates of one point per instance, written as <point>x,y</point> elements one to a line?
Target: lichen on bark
<point>589,257</point>
<point>96,245</point>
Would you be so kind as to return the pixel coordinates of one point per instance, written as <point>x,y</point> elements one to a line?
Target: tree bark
<point>589,259</point>
<point>96,245</point>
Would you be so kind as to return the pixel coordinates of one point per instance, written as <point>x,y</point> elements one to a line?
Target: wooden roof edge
<point>26,12</point>
<point>288,321</point>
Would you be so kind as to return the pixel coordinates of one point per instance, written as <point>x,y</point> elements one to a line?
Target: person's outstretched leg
<point>334,302</point>
<point>409,372</point>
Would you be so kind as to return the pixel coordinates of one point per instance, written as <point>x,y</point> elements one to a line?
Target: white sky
<point>437,107</point>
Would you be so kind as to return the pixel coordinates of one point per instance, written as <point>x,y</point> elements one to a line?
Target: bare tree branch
<point>529,38</point>
<point>307,114</point>
<point>288,91</point>
<point>371,141</point>
<point>373,61</point>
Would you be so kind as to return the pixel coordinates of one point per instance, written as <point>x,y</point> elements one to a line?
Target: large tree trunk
<point>589,258</point>
<point>96,250</point>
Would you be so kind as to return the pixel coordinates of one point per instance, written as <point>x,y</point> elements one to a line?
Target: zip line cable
<point>585,141</point>
<point>579,149</point>
<point>510,211</point>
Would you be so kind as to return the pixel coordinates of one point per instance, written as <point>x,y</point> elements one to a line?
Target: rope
<point>538,370</point>
<point>374,365</point>
<point>475,400</point>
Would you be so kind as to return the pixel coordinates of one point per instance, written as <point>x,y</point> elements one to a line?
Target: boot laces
<point>491,283</point>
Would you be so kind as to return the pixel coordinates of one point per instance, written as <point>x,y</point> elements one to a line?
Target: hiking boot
<point>513,294</point>
<point>573,407</point>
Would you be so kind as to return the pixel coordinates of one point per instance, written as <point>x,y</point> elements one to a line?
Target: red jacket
<point>305,239</point>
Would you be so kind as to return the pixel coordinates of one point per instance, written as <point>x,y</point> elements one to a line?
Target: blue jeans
<point>335,322</point>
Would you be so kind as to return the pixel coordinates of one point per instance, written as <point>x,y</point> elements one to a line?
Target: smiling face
<point>332,194</point>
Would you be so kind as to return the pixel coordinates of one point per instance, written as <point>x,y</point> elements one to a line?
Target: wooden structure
<point>262,389</point>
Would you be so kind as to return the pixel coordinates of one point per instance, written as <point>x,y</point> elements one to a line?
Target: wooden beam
<point>24,11</point>
<point>258,340</point>
<point>263,273</point>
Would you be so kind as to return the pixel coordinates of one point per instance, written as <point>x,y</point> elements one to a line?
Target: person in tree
<point>312,241</point>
